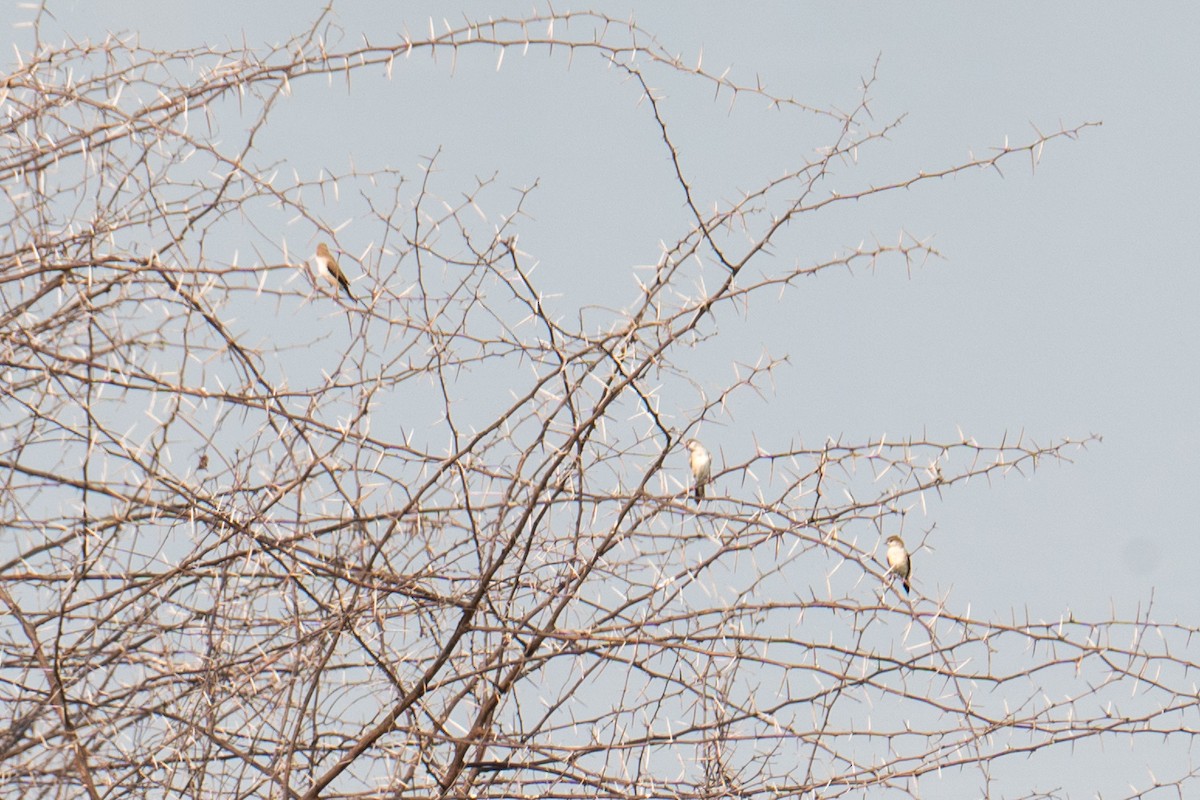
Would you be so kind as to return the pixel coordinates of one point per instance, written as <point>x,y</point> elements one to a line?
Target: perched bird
<point>327,268</point>
<point>899,561</point>
<point>701,463</point>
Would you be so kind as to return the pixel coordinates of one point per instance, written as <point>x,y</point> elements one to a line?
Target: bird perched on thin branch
<point>899,561</point>
<point>701,463</point>
<point>327,268</point>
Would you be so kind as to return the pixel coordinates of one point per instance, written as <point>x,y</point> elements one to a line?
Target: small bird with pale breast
<point>327,268</point>
<point>701,463</point>
<point>899,561</point>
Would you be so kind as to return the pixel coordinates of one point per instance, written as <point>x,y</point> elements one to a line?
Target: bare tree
<point>464,560</point>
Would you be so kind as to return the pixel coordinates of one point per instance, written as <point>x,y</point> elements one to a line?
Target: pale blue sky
<point>1065,304</point>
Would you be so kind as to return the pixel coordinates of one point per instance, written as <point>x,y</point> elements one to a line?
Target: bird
<point>327,268</point>
<point>701,463</point>
<point>899,561</point>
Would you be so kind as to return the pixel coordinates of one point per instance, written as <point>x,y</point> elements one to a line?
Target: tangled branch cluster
<point>459,559</point>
